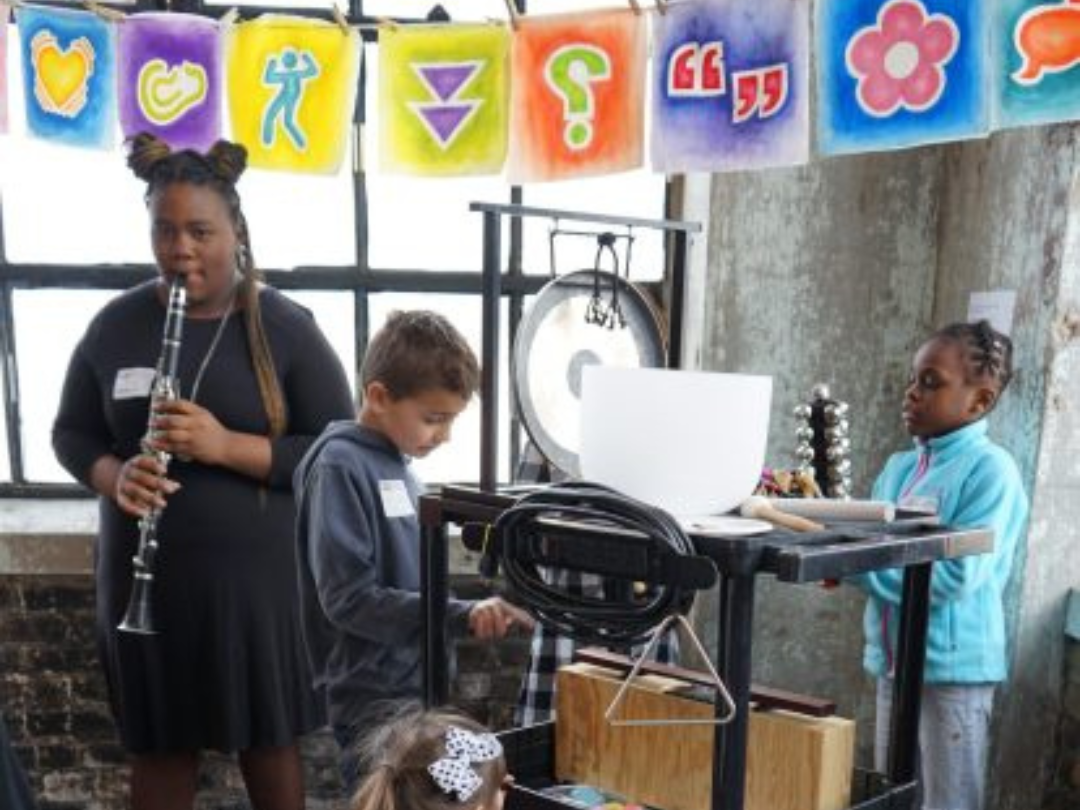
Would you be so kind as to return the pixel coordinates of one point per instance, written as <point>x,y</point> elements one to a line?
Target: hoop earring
<point>241,258</point>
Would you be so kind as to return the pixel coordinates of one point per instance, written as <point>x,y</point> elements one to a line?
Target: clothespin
<point>661,7</point>
<point>515,15</point>
<point>7,6</point>
<point>339,18</point>
<point>229,17</point>
<point>386,22</point>
<point>635,5</point>
<point>106,13</point>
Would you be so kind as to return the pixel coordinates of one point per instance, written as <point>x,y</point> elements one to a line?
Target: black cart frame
<point>794,558</point>
<point>841,551</point>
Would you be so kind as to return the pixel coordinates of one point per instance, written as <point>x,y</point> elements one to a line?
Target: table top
<point>843,549</point>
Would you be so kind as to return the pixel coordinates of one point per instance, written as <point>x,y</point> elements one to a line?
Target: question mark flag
<point>578,95</point>
<point>570,72</point>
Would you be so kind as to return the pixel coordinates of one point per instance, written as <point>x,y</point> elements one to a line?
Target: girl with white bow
<point>432,760</point>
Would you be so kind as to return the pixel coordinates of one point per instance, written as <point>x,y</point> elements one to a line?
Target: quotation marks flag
<point>1036,62</point>
<point>68,75</point>
<point>578,95</point>
<point>169,75</point>
<point>3,69</point>
<point>730,85</point>
<point>444,95</point>
<point>900,73</point>
<point>292,87</point>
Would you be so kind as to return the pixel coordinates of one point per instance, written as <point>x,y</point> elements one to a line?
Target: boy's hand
<point>492,618</point>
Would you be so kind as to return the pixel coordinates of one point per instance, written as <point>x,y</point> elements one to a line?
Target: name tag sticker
<point>132,383</point>
<point>395,499</point>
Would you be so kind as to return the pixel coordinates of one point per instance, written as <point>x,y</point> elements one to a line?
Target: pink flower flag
<point>899,73</point>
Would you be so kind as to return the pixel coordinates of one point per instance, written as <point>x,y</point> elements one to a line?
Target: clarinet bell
<point>139,617</point>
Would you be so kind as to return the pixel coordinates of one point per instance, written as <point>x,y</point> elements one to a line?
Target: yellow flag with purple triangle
<point>292,87</point>
<point>444,94</point>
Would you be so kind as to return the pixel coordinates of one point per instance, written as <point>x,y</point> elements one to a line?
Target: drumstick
<point>758,507</point>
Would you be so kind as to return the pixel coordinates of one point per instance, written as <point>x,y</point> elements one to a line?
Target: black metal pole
<point>735,626</point>
<point>10,380</point>
<point>434,592</point>
<point>678,300</point>
<point>910,659</point>
<point>489,372</point>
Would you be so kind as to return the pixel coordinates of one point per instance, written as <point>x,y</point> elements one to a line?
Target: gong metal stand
<point>491,283</point>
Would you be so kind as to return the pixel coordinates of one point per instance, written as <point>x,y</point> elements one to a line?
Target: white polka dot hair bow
<point>453,773</point>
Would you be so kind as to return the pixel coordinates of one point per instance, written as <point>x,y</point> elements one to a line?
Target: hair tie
<point>454,773</point>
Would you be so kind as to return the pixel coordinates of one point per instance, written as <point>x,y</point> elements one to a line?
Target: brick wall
<point>52,696</point>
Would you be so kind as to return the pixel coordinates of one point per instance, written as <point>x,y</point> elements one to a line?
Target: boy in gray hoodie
<point>358,533</point>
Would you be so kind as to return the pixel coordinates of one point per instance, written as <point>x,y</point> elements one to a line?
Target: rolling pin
<point>830,509</point>
<point>757,506</point>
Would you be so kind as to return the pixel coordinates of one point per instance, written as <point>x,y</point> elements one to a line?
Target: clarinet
<point>139,617</point>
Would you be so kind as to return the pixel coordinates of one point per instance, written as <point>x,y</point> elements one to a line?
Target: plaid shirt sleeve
<point>549,651</point>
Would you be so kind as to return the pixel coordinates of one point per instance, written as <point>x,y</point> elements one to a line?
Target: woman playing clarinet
<point>194,486</point>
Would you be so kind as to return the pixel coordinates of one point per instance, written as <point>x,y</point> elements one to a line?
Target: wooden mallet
<point>757,506</point>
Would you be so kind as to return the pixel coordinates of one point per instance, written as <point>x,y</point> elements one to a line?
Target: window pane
<point>66,205</point>
<point>334,312</point>
<point>63,205</point>
<point>300,219</point>
<point>48,324</point>
<point>637,194</point>
<point>421,222</point>
<point>459,460</point>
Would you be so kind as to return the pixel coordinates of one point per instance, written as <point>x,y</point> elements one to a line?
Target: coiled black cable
<point>520,539</point>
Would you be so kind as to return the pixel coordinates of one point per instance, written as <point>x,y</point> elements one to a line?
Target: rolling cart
<point>843,550</point>
<point>913,545</point>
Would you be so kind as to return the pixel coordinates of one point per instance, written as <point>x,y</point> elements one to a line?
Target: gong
<point>558,337</point>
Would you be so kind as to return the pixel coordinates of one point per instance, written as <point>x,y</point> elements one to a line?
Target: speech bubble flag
<point>731,85</point>
<point>1036,62</point>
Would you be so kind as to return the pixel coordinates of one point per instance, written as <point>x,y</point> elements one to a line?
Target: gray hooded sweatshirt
<point>358,556</point>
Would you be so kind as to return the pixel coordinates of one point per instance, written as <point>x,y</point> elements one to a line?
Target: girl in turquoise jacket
<point>955,470</point>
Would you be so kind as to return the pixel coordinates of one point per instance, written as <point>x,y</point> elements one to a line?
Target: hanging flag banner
<point>292,88</point>
<point>1036,62</point>
<point>3,69</point>
<point>69,62</point>
<point>901,73</point>
<point>730,85</point>
<point>578,88</point>
<point>444,95</point>
<point>169,78</point>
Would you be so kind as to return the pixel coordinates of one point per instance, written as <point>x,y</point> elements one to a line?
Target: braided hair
<point>396,757</point>
<point>987,353</point>
<point>153,160</point>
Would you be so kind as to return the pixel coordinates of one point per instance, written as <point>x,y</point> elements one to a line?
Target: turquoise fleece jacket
<point>971,482</point>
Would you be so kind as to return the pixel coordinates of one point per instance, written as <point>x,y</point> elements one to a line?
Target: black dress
<point>227,669</point>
